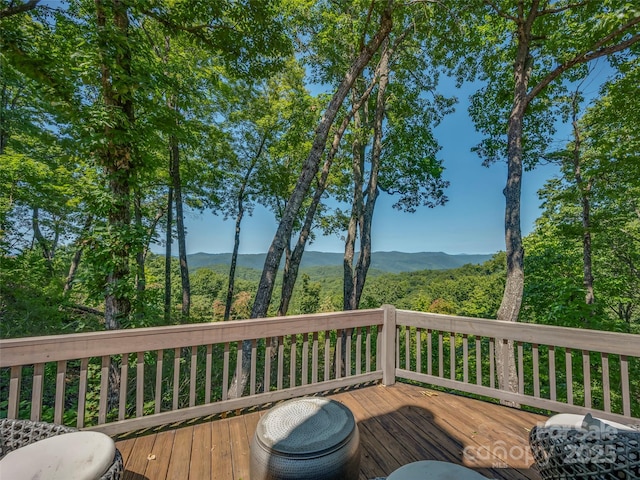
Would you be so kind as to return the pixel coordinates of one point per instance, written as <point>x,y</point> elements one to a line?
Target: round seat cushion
<point>70,456</point>
<point>432,470</point>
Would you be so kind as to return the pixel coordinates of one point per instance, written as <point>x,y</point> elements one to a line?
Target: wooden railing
<point>558,369</point>
<point>126,380</point>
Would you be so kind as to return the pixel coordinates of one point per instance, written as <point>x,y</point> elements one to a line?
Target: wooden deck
<point>398,425</point>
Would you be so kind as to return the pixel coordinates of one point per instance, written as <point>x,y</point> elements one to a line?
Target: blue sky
<point>471,222</point>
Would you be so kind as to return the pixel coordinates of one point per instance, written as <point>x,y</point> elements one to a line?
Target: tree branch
<point>598,50</point>
<point>569,6</point>
<point>15,9</point>
<point>500,12</point>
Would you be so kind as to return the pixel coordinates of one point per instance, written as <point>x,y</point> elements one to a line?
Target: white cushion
<point>572,420</point>
<point>601,424</point>
<point>70,456</point>
<point>569,420</point>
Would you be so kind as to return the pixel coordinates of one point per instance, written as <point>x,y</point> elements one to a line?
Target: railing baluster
<point>176,376</point>
<point>478,360</point>
<point>124,381</point>
<point>314,358</point>
<point>208,373</point>
<point>492,363</point>
<point>239,365</point>
<point>327,355</point>
<point>280,362</point>
<point>552,372</point>
<point>397,347</point>
<point>536,370</point>
<point>506,355</point>
<point>338,366</point>
<point>254,359</point>
<point>293,361</point>
<point>429,352</point>
<point>159,371</point>
<point>14,392</point>
<point>419,350</point>
<point>225,372</point>
<point>465,359</point>
<point>140,385</point>
<point>520,368</point>
<point>568,359</point>
<point>452,355</point>
<point>440,355</point>
<point>586,367</point>
<point>347,360</point>
<point>624,380</point>
<point>82,392</point>
<point>36,392</point>
<point>104,389</point>
<point>193,375</point>
<point>407,348</point>
<point>61,375</point>
<point>267,365</point>
<point>305,358</point>
<point>359,351</point>
<point>367,355</point>
<point>605,381</point>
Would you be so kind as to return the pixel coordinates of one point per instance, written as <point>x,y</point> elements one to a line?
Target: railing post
<point>388,354</point>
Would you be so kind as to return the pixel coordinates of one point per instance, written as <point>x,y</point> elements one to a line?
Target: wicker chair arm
<point>561,453</point>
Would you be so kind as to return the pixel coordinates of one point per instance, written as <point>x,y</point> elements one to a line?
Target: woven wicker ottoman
<point>306,439</point>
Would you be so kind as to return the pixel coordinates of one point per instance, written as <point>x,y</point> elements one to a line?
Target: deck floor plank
<point>221,460</point>
<point>200,466</point>
<point>398,424</point>
<point>159,457</point>
<point>137,460</point>
<point>240,452</point>
<point>180,460</point>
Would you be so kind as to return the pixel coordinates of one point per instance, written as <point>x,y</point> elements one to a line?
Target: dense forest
<point>117,116</point>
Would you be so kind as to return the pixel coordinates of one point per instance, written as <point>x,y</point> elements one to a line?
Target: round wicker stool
<point>304,439</point>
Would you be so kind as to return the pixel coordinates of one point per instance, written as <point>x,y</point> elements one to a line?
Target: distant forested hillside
<point>471,290</point>
<point>392,262</point>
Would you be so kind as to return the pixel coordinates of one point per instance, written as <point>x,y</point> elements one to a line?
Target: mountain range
<point>392,262</point>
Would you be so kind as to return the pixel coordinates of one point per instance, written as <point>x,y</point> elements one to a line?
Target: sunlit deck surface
<point>398,424</point>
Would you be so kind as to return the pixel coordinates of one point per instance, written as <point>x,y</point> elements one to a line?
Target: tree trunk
<point>586,245</point>
<point>117,155</point>
<point>364,258</point>
<point>514,286</point>
<point>291,275</point>
<point>75,261</point>
<point>357,211</point>
<point>362,215</point>
<point>234,261</point>
<point>117,158</point>
<point>512,298</point>
<point>182,247</point>
<point>47,253</point>
<point>239,216</point>
<point>141,279</point>
<point>585,190</point>
<point>309,170</point>
<point>167,258</point>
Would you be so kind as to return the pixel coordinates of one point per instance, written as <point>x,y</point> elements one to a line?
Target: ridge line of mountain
<point>386,261</point>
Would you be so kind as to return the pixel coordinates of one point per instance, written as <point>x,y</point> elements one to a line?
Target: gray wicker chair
<point>594,453</point>
<point>19,433</point>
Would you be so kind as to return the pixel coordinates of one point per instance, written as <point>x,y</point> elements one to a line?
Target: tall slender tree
<point>529,47</point>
